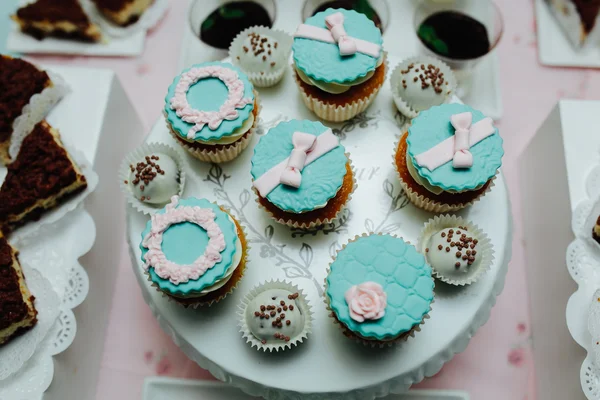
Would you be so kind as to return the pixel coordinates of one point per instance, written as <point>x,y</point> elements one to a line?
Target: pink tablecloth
<point>497,364</point>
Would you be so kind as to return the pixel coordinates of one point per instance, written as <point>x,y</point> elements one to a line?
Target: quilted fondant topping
<point>402,273</point>
<point>431,130</point>
<point>317,182</point>
<point>324,61</point>
<point>185,243</point>
<point>209,101</point>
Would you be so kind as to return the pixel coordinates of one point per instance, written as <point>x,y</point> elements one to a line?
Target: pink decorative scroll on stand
<point>336,34</point>
<point>447,150</point>
<point>288,172</point>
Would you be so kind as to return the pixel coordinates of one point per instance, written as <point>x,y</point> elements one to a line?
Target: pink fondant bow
<point>304,143</point>
<point>336,34</point>
<point>283,172</point>
<point>335,23</point>
<point>462,156</point>
<point>455,148</point>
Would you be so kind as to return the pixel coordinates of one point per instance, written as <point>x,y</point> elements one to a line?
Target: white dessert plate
<point>210,335</point>
<point>398,39</point>
<point>58,246</point>
<point>123,46</point>
<point>554,48</point>
<point>157,388</point>
<point>583,261</point>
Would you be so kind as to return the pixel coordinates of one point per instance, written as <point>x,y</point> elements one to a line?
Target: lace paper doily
<point>36,110</point>
<point>149,19</point>
<point>19,350</point>
<point>583,263</point>
<point>70,283</point>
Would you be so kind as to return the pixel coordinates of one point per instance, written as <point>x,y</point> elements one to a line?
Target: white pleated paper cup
<point>292,223</point>
<point>264,78</point>
<point>484,249</point>
<point>335,112</point>
<point>139,154</point>
<point>433,206</point>
<point>301,302</point>
<point>403,104</point>
<point>350,334</point>
<point>33,112</point>
<point>227,152</point>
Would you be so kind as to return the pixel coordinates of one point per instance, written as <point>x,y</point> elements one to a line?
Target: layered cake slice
<point>17,311</point>
<point>42,177</point>
<point>123,12</point>
<point>57,18</point>
<point>596,231</point>
<point>19,81</point>
<point>578,18</point>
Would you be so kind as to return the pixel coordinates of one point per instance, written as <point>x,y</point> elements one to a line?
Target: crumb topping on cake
<point>112,5</point>
<point>19,81</point>
<point>12,307</point>
<point>54,10</point>
<point>42,169</point>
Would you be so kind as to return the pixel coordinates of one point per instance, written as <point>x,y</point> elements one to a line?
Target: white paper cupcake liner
<point>318,222</point>
<point>195,302</point>
<point>485,249</point>
<point>434,206</point>
<point>404,105</point>
<point>138,155</point>
<point>302,303</point>
<point>35,111</point>
<point>228,152</point>
<point>265,79</point>
<point>353,335</point>
<point>334,112</point>
<point>148,20</point>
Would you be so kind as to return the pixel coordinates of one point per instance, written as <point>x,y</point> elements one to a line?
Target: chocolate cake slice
<point>57,18</point>
<point>17,311</point>
<point>19,81</point>
<point>578,18</point>
<point>123,12</point>
<point>42,177</point>
<point>596,231</point>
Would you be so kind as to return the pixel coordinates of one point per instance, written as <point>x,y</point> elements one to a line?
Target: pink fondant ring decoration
<point>336,34</point>
<point>156,258</point>
<point>456,148</point>
<point>227,111</point>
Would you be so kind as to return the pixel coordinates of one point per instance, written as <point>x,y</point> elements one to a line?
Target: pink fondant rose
<point>366,301</point>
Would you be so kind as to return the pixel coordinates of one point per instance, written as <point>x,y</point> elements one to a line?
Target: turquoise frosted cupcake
<point>449,157</point>
<point>302,174</point>
<point>212,111</point>
<point>379,289</point>
<point>194,251</point>
<point>339,63</point>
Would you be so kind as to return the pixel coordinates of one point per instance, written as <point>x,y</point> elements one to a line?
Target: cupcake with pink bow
<point>301,174</point>
<point>339,63</point>
<point>379,289</point>
<point>449,157</point>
